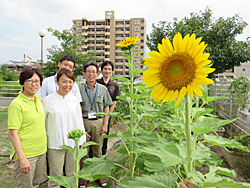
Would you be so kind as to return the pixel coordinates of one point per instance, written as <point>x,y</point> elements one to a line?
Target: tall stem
<point>76,161</point>
<point>131,157</point>
<point>188,132</point>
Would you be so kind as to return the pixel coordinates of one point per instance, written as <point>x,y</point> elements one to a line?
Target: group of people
<point>45,111</point>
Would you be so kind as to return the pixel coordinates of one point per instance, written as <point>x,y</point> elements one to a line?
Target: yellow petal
<point>182,93</point>
<point>202,57</point>
<point>175,94</point>
<point>162,50</point>
<point>185,42</point>
<point>169,95</point>
<point>205,70</point>
<point>191,42</point>
<point>151,71</point>
<point>177,41</point>
<point>196,89</point>
<point>156,89</point>
<point>156,56</point>
<point>203,63</point>
<point>200,49</point>
<point>151,80</point>
<point>158,95</point>
<point>190,91</point>
<point>152,64</point>
<point>168,46</point>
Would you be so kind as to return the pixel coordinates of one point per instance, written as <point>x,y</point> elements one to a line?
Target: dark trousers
<point>105,142</point>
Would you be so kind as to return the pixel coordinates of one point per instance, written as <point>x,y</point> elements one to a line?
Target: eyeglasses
<point>89,72</point>
<point>29,82</point>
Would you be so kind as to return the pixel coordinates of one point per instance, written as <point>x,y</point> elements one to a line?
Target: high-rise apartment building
<point>102,37</point>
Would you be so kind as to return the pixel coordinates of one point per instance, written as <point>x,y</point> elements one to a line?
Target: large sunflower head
<point>128,43</point>
<point>177,69</point>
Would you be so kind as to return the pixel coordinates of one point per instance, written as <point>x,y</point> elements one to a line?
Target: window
<point>137,22</point>
<point>79,30</point>
<point>136,48</point>
<point>136,28</point>
<point>137,42</point>
<point>79,36</point>
<point>243,69</point>
<point>136,35</point>
<point>136,67</point>
<point>79,23</point>
<point>136,61</point>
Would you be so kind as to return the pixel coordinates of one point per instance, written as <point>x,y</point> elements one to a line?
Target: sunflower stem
<point>188,132</point>
<point>131,148</point>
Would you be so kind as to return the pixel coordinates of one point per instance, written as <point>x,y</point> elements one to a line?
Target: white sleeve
<point>42,92</point>
<point>78,94</point>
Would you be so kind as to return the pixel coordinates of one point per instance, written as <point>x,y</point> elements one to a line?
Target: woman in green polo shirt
<point>26,124</point>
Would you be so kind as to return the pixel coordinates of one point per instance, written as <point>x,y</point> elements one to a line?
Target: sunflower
<point>178,69</point>
<point>128,43</point>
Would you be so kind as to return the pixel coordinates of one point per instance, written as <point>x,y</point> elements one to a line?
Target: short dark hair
<point>105,63</point>
<point>28,72</point>
<point>68,58</point>
<point>89,64</point>
<point>65,72</point>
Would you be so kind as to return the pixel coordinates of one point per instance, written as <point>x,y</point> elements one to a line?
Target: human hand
<point>24,165</point>
<point>88,136</point>
<point>104,129</point>
<point>188,184</point>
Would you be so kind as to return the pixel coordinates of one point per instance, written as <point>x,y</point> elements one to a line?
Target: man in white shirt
<point>49,85</point>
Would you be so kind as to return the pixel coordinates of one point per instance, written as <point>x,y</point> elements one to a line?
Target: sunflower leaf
<point>159,180</point>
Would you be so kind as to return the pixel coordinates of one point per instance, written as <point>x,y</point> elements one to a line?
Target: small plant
<point>78,154</point>
<point>245,141</point>
<point>239,89</point>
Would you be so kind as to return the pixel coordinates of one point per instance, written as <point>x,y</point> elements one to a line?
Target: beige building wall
<point>102,37</point>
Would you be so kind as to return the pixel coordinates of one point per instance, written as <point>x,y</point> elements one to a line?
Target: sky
<point>20,20</point>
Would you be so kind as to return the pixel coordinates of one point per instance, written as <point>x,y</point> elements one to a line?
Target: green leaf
<point>62,180</point>
<point>84,175</point>
<point>159,180</point>
<point>68,148</point>
<point>214,98</point>
<point>138,53</point>
<point>98,167</point>
<point>135,72</point>
<point>226,182</point>
<point>219,141</point>
<point>223,171</point>
<point>122,98</point>
<point>197,112</point>
<point>209,124</point>
<point>170,154</point>
<point>123,79</point>
<point>121,173</point>
<point>125,55</point>
<point>81,154</point>
<point>85,144</point>
<point>154,166</point>
<point>107,114</point>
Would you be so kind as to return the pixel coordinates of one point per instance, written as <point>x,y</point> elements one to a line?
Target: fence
<point>8,91</point>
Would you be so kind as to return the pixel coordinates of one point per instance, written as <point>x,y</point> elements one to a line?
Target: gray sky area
<point>22,19</point>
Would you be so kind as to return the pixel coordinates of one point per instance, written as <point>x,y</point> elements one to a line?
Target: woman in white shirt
<point>62,115</point>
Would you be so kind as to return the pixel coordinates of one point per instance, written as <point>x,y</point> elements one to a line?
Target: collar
<point>93,85</point>
<point>61,97</point>
<point>104,82</point>
<point>25,98</point>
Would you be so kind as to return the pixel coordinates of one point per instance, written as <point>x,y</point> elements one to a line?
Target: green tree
<point>7,75</point>
<point>69,44</point>
<point>220,35</point>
